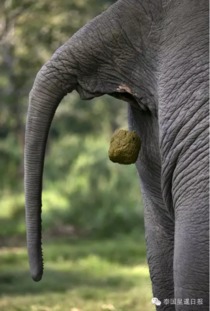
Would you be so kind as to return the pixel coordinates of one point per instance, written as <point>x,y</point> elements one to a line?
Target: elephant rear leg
<point>191,259</point>
<point>159,230</point>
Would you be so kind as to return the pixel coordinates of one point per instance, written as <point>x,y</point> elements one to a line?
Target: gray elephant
<point>154,55</point>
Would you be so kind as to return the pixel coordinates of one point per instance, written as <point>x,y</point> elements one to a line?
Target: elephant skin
<point>154,55</point>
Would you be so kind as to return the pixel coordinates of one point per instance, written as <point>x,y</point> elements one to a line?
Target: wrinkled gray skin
<point>153,54</point>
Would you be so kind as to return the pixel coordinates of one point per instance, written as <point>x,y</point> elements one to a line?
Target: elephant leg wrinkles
<point>159,223</point>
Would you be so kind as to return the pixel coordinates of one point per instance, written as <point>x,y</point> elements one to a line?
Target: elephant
<point>152,54</point>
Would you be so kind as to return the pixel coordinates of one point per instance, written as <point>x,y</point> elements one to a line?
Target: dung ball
<point>124,147</point>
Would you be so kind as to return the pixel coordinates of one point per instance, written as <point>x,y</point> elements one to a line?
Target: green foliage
<point>91,192</point>
<point>80,275</point>
<point>81,187</point>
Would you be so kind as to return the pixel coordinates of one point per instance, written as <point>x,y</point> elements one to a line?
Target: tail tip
<point>36,276</point>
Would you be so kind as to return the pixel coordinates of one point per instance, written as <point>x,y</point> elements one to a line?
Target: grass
<point>82,275</point>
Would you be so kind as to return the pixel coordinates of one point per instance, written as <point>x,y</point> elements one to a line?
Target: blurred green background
<point>92,210</point>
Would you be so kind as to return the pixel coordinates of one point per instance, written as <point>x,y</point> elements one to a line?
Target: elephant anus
<point>154,55</point>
